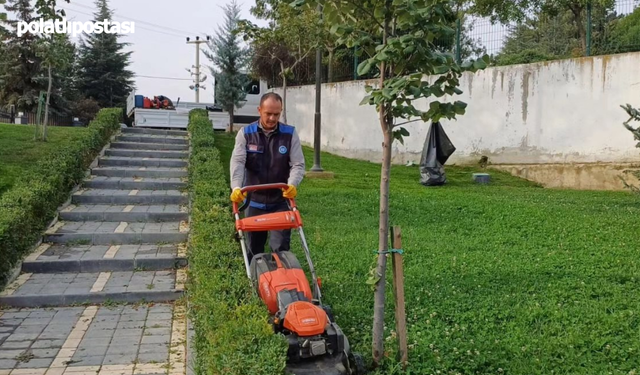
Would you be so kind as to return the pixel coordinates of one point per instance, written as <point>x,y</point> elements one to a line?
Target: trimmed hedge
<point>31,203</point>
<point>232,334</point>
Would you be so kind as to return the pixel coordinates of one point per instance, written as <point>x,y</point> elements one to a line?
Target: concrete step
<point>130,183</point>
<point>129,197</point>
<point>148,146</point>
<point>128,213</point>
<point>147,154</point>
<point>64,289</point>
<point>157,139</point>
<point>57,258</point>
<point>112,161</point>
<point>137,130</point>
<point>140,172</point>
<point>113,233</point>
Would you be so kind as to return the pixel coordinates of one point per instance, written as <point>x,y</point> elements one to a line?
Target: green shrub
<point>32,202</point>
<point>232,334</point>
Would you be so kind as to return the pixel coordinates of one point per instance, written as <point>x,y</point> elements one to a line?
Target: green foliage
<point>517,10</point>
<point>230,60</point>
<point>103,66</point>
<point>232,334</point>
<point>625,33</point>
<point>21,77</point>
<point>508,278</point>
<point>32,202</point>
<point>634,115</point>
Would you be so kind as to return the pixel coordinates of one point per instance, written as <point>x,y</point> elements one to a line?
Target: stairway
<point>101,293</point>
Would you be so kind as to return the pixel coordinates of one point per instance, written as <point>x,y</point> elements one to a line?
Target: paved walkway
<point>101,295</point>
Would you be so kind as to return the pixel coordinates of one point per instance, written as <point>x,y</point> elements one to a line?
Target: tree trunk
<point>582,32</point>
<point>284,99</point>
<point>330,72</point>
<point>383,239</point>
<point>46,107</point>
<point>231,120</point>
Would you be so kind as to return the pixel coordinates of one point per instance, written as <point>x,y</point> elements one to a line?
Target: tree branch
<point>302,58</point>
<point>407,122</point>
<point>358,5</point>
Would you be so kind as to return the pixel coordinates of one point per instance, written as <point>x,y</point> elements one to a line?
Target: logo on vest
<point>283,150</point>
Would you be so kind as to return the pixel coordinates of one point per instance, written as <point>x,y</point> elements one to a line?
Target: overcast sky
<point>159,42</point>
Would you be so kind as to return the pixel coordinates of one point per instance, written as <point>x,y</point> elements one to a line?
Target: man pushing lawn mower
<point>267,152</point>
<point>267,165</point>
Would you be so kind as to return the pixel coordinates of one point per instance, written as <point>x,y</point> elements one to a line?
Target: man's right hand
<point>238,196</point>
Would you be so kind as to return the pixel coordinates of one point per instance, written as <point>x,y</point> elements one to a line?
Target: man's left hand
<point>290,192</point>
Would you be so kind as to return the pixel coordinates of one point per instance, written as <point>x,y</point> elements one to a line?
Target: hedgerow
<point>232,334</point>
<point>31,203</point>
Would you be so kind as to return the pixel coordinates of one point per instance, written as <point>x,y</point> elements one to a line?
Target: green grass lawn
<point>19,152</point>
<point>509,278</point>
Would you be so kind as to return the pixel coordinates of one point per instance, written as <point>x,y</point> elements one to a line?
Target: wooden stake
<point>398,288</point>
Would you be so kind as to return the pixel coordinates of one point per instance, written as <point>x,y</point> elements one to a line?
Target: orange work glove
<point>238,196</point>
<point>290,193</point>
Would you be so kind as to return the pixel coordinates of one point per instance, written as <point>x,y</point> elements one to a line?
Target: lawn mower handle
<point>252,188</point>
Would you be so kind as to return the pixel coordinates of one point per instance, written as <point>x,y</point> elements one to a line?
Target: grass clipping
<point>232,334</point>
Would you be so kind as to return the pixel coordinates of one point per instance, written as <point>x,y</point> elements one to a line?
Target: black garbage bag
<point>435,153</point>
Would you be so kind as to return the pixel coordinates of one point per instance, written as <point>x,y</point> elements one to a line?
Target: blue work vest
<point>267,162</point>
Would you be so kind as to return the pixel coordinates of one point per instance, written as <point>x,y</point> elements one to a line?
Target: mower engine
<point>283,286</point>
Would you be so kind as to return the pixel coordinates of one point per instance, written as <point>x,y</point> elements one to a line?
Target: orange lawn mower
<point>317,345</point>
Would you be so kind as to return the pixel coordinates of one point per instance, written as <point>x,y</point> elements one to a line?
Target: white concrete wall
<point>557,112</point>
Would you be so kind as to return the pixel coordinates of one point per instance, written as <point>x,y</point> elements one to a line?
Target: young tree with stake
<point>230,59</point>
<point>399,39</point>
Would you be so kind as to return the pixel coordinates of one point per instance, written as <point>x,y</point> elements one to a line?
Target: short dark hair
<point>268,95</point>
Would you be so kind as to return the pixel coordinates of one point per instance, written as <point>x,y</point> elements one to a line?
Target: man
<point>267,151</point>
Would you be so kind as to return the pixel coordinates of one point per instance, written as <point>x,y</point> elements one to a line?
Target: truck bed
<point>178,119</point>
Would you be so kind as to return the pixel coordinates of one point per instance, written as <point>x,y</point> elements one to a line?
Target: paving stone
<point>86,361</point>
<point>146,340</point>
<point>41,344</point>
<point>119,359</point>
<point>36,363</point>
<point>158,357</point>
<point>13,345</point>
<point>91,351</point>
<point>10,354</point>
<point>7,364</point>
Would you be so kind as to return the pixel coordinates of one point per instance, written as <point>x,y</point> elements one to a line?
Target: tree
<point>399,37</point>
<point>103,66</point>
<point>21,66</point>
<point>230,59</point>
<point>519,10</point>
<point>292,34</point>
<point>54,50</point>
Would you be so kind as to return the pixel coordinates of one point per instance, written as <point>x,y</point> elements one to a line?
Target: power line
<point>170,78</point>
<point>137,26</point>
<point>140,21</point>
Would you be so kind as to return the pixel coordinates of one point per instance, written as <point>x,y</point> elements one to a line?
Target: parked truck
<point>142,113</point>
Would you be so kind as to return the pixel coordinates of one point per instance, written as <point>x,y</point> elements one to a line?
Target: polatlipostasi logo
<point>62,26</point>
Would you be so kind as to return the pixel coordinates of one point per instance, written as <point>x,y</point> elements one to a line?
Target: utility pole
<point>318,115</point>
<point>197,80</point>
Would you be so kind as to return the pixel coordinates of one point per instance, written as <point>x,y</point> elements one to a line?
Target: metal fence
<point>593,31</point>
<point>30,118</point>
